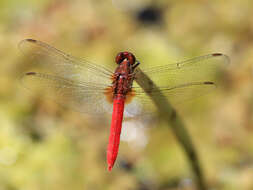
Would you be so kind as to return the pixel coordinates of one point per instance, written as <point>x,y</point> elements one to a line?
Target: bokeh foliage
<point>45,146</point>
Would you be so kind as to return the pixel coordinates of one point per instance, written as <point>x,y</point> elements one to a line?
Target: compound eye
<point>131,58</point>
<point>120,57</point>
<point>125,55</point>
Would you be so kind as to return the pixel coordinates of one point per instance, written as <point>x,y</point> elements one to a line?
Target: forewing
<point>200,69</point>
<point>181,81</point>
<point>53,61</point>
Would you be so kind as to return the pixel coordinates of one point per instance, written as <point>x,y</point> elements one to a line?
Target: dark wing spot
<point>31,73</point>
<point>208,82</point>
<point>217,54</point>
<point>31,40</point>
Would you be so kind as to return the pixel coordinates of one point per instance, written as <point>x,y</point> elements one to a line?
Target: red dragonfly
<point>94,89</point>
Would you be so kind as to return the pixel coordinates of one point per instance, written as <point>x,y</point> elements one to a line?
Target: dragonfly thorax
<point>123,77</point>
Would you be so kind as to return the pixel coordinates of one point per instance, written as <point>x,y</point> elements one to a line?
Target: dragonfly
<point>95,89</point>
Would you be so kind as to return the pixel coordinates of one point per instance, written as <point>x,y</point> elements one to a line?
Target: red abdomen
<point>116,125</point>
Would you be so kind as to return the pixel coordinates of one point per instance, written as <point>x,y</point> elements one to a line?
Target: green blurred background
<point>45,146</point>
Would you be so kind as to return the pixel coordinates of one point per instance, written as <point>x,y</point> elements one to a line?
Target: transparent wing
<point>181,81</point>
<point>70,81</point>
<point>53,61</point>
<point>80,96</point>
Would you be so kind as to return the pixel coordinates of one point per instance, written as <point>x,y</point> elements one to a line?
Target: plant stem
<point>169,114</point>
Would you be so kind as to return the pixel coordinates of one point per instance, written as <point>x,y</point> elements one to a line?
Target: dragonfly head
<point>125,55</point>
